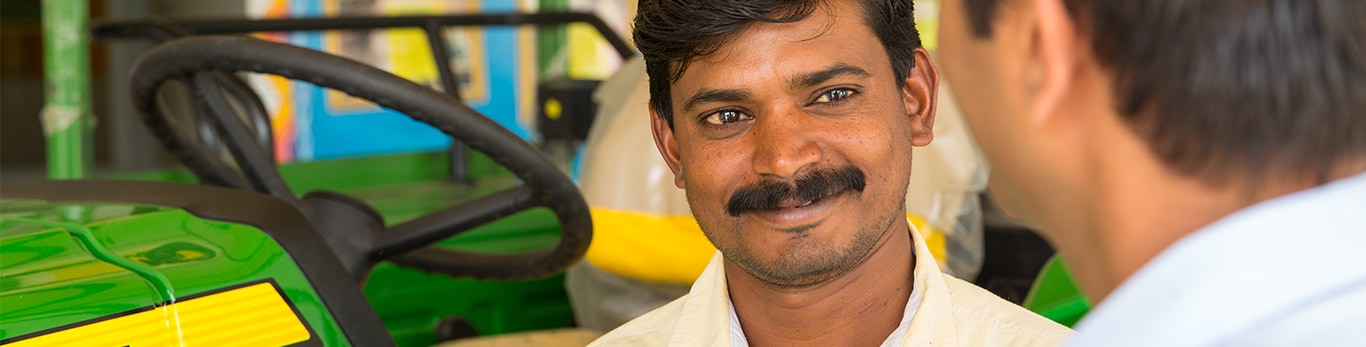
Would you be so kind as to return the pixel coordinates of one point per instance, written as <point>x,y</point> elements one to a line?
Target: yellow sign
<point>255,315</point>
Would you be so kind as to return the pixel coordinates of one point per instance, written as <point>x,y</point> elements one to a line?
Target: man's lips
<point>797,203</point>
<point>775,194</point>
<point>799,215</point>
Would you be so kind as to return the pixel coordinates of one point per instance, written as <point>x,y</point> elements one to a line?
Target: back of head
<point>1246,91</point>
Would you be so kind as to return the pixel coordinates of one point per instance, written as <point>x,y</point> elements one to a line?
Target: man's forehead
<point>786,51</point>
<point>838,21</point>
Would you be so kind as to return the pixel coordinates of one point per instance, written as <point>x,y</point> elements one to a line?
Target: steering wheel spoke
<point>453,220</point>
<point>253,159</point>
<point>485,265</point>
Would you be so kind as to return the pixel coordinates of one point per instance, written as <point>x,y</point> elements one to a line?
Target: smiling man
<point>1200,165</point>
<point>790,126</point>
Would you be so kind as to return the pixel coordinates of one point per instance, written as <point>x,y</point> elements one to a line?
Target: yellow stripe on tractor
<point>255,315</point>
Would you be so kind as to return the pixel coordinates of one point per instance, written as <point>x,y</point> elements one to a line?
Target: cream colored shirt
<point>951,313</point>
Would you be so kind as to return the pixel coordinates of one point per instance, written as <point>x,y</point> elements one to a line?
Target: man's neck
<point>862,307</point>
<point>1142,207</point>
<point>1142,212</point>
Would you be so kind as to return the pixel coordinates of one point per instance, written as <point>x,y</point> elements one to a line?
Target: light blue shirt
<point>1290,271</point>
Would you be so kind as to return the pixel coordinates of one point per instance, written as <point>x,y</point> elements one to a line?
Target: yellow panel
<point>255,315</point>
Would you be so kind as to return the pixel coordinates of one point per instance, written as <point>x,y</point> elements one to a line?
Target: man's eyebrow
<point>797,83</point>
<point>715,95</point>
<point>814,78</point>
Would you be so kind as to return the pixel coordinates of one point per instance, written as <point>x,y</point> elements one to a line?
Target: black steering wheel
<point>354,231</point>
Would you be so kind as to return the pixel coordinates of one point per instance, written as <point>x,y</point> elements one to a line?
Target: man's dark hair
<point>1232,89</point>
<point>671,33</point>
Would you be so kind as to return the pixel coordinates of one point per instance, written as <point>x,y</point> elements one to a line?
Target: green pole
<point>66,68</point>
<point>551,41</point>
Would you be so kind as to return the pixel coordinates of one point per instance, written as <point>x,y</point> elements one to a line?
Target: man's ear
<point>1054,58</point>
<point>668,146</point>
<point>920,94</point>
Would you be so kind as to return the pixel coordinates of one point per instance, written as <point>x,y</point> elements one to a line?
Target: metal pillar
<point>66,69</point>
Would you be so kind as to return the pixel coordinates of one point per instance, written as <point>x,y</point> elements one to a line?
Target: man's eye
<point>725,117</point>
<point>834,95</point>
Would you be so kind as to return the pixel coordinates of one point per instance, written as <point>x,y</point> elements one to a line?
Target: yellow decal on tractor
<point>255,315</point>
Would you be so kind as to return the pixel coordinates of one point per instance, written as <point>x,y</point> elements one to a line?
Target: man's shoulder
<point>651,329</point>
<point>978,313</point>
<point>1332,319</point>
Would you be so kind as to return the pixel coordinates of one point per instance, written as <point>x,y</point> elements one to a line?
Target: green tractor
<point>243,260</point>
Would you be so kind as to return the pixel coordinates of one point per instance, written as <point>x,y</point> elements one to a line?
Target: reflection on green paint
<point>87,240</point>
<point>173,253</point>
<point>48,280</point>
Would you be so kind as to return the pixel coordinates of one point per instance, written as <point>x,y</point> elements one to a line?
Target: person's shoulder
<point>651,329</point>
<point>1331,319</point>
<point>979,314</point>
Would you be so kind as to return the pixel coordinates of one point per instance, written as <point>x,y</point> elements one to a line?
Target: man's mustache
<point>770,194</point>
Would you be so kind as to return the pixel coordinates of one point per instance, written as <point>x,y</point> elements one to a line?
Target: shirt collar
<point>707,305</point>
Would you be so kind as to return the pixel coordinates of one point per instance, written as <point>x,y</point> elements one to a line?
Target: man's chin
<point>779,276</point>
<point>800,265</point>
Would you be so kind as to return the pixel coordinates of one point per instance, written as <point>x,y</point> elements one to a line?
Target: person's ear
<point>1054,58</point>
<point>668,146</point>
<point>919,93</point>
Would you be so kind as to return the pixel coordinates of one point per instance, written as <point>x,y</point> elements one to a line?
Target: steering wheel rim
<point>544,185</point>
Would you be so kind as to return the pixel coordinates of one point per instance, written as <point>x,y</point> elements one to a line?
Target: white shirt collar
<point>737,333</point>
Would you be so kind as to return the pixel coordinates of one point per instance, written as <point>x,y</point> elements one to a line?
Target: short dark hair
<point>671,33</point>
<point>1232,89</point>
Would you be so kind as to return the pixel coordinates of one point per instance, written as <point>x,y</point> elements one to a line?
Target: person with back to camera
<point>1200,165</point>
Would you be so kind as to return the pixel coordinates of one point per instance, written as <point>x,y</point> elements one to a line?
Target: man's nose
<point>784,144</point>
